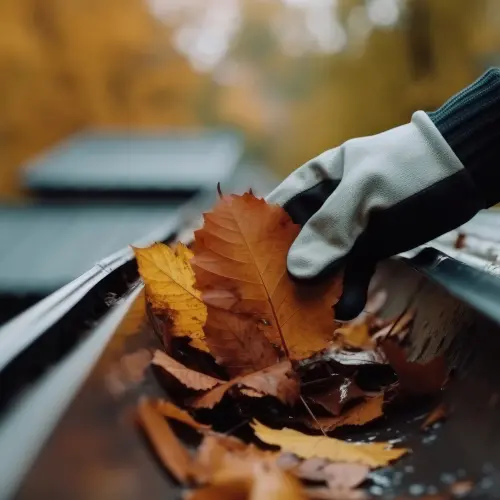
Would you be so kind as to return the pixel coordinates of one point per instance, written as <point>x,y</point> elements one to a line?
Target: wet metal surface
<point>97,451</point>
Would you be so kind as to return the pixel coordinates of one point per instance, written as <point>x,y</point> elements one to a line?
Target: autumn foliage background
<point>296,76</point>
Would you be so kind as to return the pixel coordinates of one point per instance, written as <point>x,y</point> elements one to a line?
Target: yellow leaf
<point>169,281</point>
<point>371,454</point>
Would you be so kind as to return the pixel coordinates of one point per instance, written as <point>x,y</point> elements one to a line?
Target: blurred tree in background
<point>296,76</point>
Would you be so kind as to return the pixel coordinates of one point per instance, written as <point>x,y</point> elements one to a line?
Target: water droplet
<point>395,440</point>
<point>486,483</point>
<point>416,489</point>
<point>429,439</point>
<point>488,468</point>
<point>447,478</point>
<point>409,468</point>
<point>432,490</point>
<point>371,438</point>
<point>376,490</point>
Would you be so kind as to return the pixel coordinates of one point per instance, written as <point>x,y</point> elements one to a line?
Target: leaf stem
<point>312,415</point>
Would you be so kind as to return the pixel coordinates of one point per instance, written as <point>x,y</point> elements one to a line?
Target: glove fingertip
<point>350,305</point>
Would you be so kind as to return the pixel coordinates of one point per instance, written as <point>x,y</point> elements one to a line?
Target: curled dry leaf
<point>169,410</point>
<point>169,282</point>
<point>415,378</point>
<point>334,399</point>
<point>172,453</point>
<point>439,413</point>
<point>190,378</point>
<point>240,266</point>
<point>279,381</point>
<point>356,333</point>
<point>372,454</point>
<point>364,412</point>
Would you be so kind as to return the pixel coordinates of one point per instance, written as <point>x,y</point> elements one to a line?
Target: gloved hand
<point>374,197</point>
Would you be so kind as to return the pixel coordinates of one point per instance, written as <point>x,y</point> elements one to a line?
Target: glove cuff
<point>470,124</point>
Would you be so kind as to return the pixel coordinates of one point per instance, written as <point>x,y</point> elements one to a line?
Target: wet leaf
<point>415,378</point>
<point>305,446</point>
<point>279,381</point>
<point>334,399</point>
<point>170,288</point>
<point>169,410</point>
<point>364,412</point>
<point>190,378</point>
<point>439,413</point>
<point>171,452</point>
<point>240,266</point>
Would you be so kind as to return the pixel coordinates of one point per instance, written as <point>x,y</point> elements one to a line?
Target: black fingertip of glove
<point>357,277</point>
<point>305,204</point>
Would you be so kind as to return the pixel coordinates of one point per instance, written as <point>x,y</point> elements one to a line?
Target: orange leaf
<point>356,333</point>
<point>236,343</point>
<point>169,449</point>
<point>240,266</point>
<point>169,410</point>
<point>190,378</point>
<point>279,381</point>
<point>169,282</point>
<point>218,453</point>
<point>415,378</point>
<point>361,414</point>
<point>439,413</point>
<point>372,454</point>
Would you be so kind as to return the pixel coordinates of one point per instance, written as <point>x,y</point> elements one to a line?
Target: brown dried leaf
<point>218,452</point>
<point>334,399</point>
<point>236,342</point>
<point>415,378</point>
<point>251,472</point>
<point>169,449</point>
<point>439,413</point>
<point>170,289</point>
<point>190,378</point>
<point>240,266</point>
<point>169,410</point>
<point>361,414</point>
<point>356,333</point>
<point>279,381</point>
<point>372,454</point>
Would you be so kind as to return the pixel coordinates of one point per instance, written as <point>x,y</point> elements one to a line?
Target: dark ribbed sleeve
<point>470,123</point>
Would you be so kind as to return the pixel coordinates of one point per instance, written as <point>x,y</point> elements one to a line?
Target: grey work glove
<point>375,197</point>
